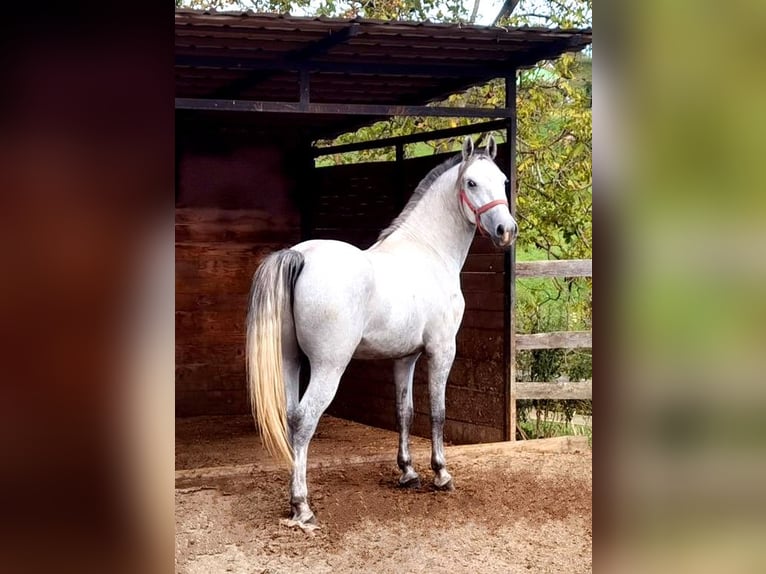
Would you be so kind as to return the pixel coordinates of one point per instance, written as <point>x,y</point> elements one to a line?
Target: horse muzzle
<point>504,236</point>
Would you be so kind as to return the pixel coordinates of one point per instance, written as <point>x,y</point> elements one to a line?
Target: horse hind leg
<point>303,421</point>
<point>291,368</point>
<point>404,370</point>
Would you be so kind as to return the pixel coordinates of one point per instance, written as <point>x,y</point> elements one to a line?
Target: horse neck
<point>436,222</point>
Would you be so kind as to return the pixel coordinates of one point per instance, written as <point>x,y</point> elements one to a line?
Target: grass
<point>551,428</point>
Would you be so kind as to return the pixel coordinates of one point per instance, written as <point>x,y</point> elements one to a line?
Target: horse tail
<point>270,308</point>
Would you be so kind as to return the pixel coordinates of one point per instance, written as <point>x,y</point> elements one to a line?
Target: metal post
<point>402,198</point>
<point>510,262</point>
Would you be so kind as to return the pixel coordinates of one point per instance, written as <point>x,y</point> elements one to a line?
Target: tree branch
<point>475,11</point>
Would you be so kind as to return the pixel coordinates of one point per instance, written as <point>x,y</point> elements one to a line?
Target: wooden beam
<point>472,72</point>
<point>290,60</point>
<point>555,268</point>
<point>261,69</point>
<point>555,340</point>
<point>412,138</point>
<point>496,453</point>
<point>500,451</point>
<point>556,391</point>
<point>430,94</point>
<point>509,265</point>
<point>339,109</point>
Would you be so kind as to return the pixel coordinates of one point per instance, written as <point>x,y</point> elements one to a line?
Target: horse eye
<point>471,183</point>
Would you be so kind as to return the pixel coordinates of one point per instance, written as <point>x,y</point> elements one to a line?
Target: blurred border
<point>86,307</point>
<point>679,118</point>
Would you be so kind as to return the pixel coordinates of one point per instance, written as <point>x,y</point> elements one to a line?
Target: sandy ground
<point>513,511</point>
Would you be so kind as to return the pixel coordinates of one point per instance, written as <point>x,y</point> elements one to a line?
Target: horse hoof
<point>307,526</point>
<point>447,486</point>
<point>410,483</point>
<point>310,520</point>
<point>304,518</point>
<point>302,515</point>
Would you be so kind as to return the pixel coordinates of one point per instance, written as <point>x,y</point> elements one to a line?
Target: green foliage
<point>559,13</point>
<point>274,6</point>
<point>416,10</point>
<point>554,160</point>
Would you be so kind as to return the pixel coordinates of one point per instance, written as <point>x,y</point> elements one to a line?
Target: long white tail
<point>270,304</point>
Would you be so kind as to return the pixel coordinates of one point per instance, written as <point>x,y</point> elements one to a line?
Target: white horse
<point>398,299</point>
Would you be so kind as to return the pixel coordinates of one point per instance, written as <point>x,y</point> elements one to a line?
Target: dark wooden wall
<point>234,206</point>
<point>355,202</point>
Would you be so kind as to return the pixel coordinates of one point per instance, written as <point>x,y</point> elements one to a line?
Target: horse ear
<point>491,147</point>
<point>467,148</point>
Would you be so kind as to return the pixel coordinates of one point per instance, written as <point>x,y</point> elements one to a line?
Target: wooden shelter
<point>254,92</point>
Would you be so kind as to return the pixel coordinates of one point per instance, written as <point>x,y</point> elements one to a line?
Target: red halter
<point>477,211</point>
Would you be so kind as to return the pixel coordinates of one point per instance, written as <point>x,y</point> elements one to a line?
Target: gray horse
<point>396,300</point>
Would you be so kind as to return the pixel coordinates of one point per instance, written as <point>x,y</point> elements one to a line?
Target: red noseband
<point>477,211</point>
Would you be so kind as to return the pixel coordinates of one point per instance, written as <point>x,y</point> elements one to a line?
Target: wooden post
<point>510,265</point>
<point>305,89</point>
<point>179,157</point>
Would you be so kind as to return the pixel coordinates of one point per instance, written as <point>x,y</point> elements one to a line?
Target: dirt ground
<point>512,510</point>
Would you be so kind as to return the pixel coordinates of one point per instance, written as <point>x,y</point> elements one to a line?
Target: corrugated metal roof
<point>253,56</point>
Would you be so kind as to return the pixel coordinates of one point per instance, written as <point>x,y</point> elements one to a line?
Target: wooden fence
<point>554,340</point>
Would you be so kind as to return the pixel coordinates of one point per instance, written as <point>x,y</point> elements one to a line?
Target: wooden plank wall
<point>355,202</point>
<point>233,208</point>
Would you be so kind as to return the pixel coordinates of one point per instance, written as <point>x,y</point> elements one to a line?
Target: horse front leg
<point>404,369</point>
<point>439,365</point>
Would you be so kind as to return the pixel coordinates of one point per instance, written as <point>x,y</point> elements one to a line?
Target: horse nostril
<point>500,230</point>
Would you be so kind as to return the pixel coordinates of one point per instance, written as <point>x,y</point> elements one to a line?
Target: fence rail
<point>558,391</point>
<point>555,268</point>
<point>555,340</point>
<point>525,390</point>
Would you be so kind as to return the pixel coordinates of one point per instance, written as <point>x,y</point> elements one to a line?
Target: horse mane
<point>424,185</point>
